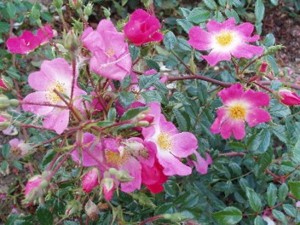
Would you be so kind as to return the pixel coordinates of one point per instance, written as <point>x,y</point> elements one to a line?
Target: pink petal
<point>166,126</point>
<point>226,129</point>
<point>256,98</point>
<point>184,144</point>
<point>256,116</point>
<point>215,56</point>
<point>238,129</point>
<point>221,116</point>
<point>247,51</point>
<point>38,97</point>
<point>172,165</point>
<point>199,39</point>
<point>134,169</point>
<point>40,81</point>
<point>232,93</point>
<point>201,164</point>
<point>245,28</point>
<point>106,25</point>
<point>58,120</point>
<point>214,26</point>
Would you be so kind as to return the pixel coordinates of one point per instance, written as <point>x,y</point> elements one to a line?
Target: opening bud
<point>71,41</point>
<point>90,180</point>
<point>288,97</point>
<point>4,102</point>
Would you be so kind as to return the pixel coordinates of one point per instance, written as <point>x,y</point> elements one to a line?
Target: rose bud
<point>288,97</point>
<point>90,180</point>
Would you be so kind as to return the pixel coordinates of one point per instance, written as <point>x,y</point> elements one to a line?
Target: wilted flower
<point>91,210</point>
<point>54,76</point>
<point>142,28</point>
<point>225,40</point>
<point>240,106</point>
<point>288,97</point>
<point>19,147</point>
<point>35,188</point>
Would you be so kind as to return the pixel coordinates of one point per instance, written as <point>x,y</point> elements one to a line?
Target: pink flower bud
<point>288,97</point>
<point>108,188</point>
<point>263,67</point>
<point>90,180</point>
<point>34,188</point>
<point>3,86</point>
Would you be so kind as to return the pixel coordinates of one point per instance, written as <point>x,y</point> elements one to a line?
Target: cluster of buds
<point>5,102</point>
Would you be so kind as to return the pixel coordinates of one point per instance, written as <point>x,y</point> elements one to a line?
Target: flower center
<point>237,112</point>
<point>110,52</point>
<point>52,96</point>
<point>114,158</point>
<point>164,141</point>
<point>224,39</point>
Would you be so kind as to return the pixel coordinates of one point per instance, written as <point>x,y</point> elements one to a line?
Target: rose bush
<point>129,121</point>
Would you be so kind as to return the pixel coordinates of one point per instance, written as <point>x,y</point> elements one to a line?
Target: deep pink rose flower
<point>225,40</point>
<point>240,106</point>
<point>142,28</point>
<point>288,97</point>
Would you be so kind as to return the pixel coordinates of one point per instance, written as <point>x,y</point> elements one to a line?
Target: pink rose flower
<point>170,144</point>
<point>28,41</point>
<point>239,106</point>
<point>53,75</point>
<point>288,97</point>
<point>142,28</point>
<point>90,180</point>
<point>201,164</point>
<point>225,40</point>
<point>110,54</point>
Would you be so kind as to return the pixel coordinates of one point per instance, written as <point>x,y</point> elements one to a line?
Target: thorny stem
<point>43,104</point>
<point>151,219</point>
<point>232,154</point>
<point>74,76</point>
<point>200,77</point>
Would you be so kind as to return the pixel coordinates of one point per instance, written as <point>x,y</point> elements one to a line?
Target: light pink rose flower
<point>225,40</point>
<point>53,75</point>
<point>240,106</point>
<point>171,145</point>
<point>143,28</point>
<point>201,164</point>
<point>110,54</point>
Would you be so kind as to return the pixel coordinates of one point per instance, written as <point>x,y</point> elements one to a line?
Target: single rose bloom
<point>225,40</point>
<point>54,77</point>
<point>90,180</point>
<point>23,44</point>
<point>143,28</point>
<point>288,97</point>
<point>110,53</point>
<point>171,145</point>
<point>240,106</point>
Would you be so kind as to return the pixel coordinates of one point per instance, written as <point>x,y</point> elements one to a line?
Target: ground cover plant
<point>147,112</point>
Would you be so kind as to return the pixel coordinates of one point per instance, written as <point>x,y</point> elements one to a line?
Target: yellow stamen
<point>164,141</point>
<point>110,52</point>
<point>237,112</point>
<point>114,158</point>
<point>224,39</point>
<point>52,96</point>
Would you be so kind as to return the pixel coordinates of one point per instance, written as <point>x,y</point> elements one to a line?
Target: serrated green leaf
<point>170,40</point>
<point>112,114</point>
<point>198,15</point>
<point>48,157</point>
<point>280,216</point>
<point>185,24</point>
<point>265,160</point>
<point>232,13</point>
<point>211,4</point>
<point>17,165</point>
<point>45,217</point>
<point>134,52</point>
<point>183,124</point>
<point>259,221</point>
<point>5,151</point>
<point>4,27</point>
<point>260,142</point>
<point>269,40</point>
<point>151,96</point>
<point>259,10</point>
<point>131,113</point>
<point>148,81</point>
<point>279,110</point>
<point>228,216</point>
<point>254,200</point>
<point>295,188</point>
<point>279,131</point>
<point>283,192</point>
<point>11,10</point>
<point>126,98</point>
<point>222,2</point>
<point>152,64</point>
<point>13,73</point>
<point>290,210</point>
<point>271,195</point>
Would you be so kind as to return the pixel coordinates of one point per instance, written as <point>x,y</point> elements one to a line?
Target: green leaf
<point>259,10</point>
<point>260,142</point>
<point>131,113</point>
<point>148,81</point>
<point>112,114</point>
<point>48,157</point>
<point>17,165</point>
<point>11,10</point>
<point>271,195</point>
<point>259,221</point>
<point>13,73</point>
<point>211,4</point>
<point>222,2</point>
<point>290,210</point>
<point>4,27</point>
<point>5,151</point>
<point>279,110</point>
<point>269,40</point>
<point>295,188</point>
<point>183,124</point>
<point>283,192</point>
<point>170,40</point>
<point>126,98</point>
<point>152,64</point>
<point>279,131</point>
<point>134,52</point>
<point>274,2</point>
<point>296,152</point>
<point>232,13</point>
<point>228,216</point>
<point>45,217</point>
<point>198,15</point>
<point>151,96</point>
<point>185,24</point>
<point>265,160</point>
<point>279,216</point>
<point>254,200</point>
